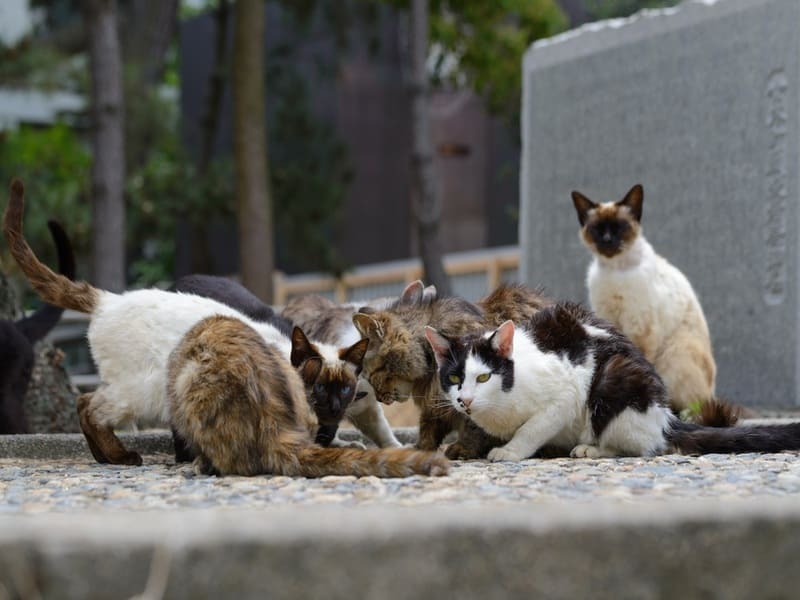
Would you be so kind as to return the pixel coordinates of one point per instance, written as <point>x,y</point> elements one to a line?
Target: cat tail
<point>690,438</point>
<point>717,412</point>
<point>53,288</point>
<point>315,461</point>
<point>37,325</point>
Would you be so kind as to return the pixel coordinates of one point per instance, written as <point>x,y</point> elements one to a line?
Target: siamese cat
<point>572,381</point>
<point>646,297</point>
<point>325,322</point>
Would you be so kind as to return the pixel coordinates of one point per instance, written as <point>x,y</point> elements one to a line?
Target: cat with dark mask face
<point>646,297</point>
<point>17,340</point>
<point>571,380</point>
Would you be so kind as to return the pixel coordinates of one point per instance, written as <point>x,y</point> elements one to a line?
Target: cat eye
<point>345,390</point>
<point>319,388</point>
<point>454,379</point>
<point>483,377</point>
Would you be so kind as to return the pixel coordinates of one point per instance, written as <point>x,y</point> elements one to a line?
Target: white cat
<point>650,300</point>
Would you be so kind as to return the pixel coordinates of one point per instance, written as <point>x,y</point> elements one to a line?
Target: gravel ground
<point>36,486</point>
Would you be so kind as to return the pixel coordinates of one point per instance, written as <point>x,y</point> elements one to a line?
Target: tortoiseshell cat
<point>646,297</point>
<point>241,407</point>
<point>571,380</point>
<point>400,364</point>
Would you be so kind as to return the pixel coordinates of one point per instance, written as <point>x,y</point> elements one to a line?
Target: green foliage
<point>607,9</point>
<point>167,187</point>
<point>54,165</point>
<point>487,41</point>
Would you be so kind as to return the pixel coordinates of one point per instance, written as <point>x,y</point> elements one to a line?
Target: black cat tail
<point>690,438</point>
<point>37,325</point>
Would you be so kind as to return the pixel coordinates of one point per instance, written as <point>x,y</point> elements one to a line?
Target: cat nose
<point>606,237</point>
<point>336,405</point>
<point>467,402</point>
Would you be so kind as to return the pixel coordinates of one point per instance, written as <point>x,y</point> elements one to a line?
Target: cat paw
<point>337,443</point>
<point>585,451</point>
<point>130,458</point>
<point>502,454</point>
<point>202,466</point>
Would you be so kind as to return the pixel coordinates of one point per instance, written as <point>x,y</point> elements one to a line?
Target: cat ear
<point>355,353</point>
<point>503,339</point>
<point>582,206</point>
<point>634,200</point>
<point>429,294</point>
<point>302,349</point>
<point>413,293</point>
<point>439,343</point>
<point>310,370</point>
<point>368,326</point>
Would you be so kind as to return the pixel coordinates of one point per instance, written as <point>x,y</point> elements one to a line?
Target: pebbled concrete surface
<point>671,526</point>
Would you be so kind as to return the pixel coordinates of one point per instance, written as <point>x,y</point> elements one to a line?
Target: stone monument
<point>700,104</point>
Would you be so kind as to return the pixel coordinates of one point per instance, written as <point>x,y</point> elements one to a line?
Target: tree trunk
<point>108,163</point>
<point>426,199</point>
<point>209,126</point>
<point>149,28</point>
<point>256,247</point>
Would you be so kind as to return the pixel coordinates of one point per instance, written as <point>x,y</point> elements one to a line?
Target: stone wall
<point>699,103</point>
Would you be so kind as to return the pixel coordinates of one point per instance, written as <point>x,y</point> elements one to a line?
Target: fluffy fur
<point>242,409</point>
<point>17,340</point>
<point>570,380</point>
<point>400,364</point>
<point>646,297</point>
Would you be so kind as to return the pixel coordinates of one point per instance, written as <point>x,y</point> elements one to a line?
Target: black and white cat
<point>571,380</point>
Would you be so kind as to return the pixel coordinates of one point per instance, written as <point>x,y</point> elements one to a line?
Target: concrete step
<point>692,549</point>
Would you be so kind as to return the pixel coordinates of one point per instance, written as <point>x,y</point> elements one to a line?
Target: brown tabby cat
<point>242,409</point>
<point>400,364</point>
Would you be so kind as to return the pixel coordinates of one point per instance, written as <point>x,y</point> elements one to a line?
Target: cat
<point>130,336</point>
<point>333,323</point>
<point>399,362</point>
<point>569,379</point>
<point>17,341</point>
<point>363,410</point>
<point>242,409</point>
<point>235,295</point>
<point>646,297</point>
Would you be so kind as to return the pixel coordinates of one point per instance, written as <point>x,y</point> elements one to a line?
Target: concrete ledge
<point>73,445</point>
<point>608,550</point>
